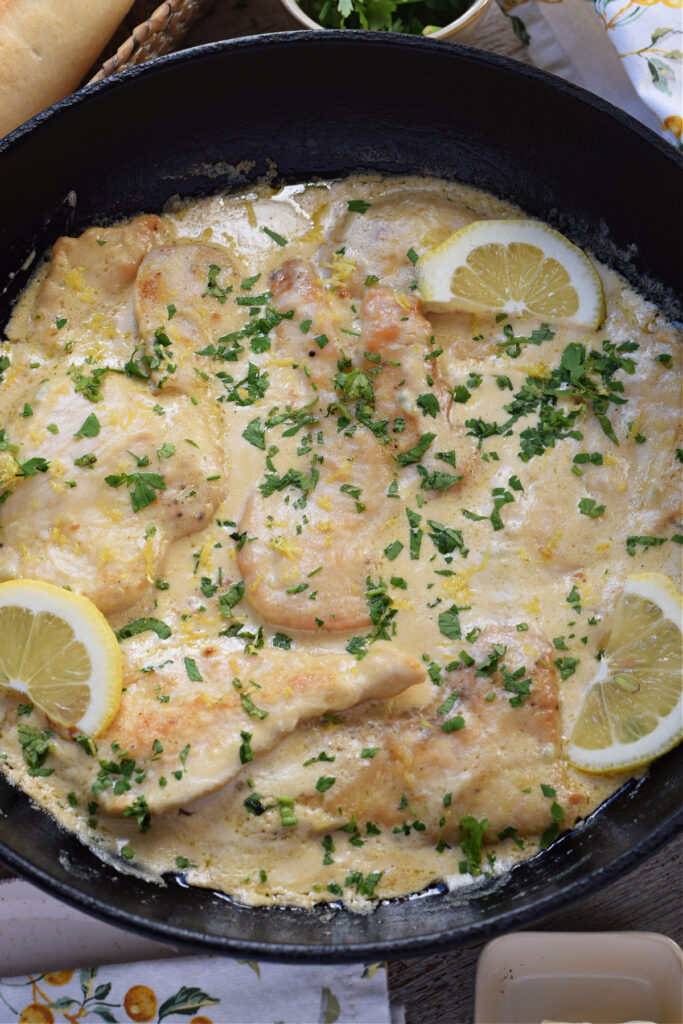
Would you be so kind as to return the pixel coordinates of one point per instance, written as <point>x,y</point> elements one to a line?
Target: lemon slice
<point>58,649</point>
<point>519,267</point>
<point>632,711</point>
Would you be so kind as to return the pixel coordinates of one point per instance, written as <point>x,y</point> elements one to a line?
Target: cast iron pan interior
<point>310,105</point>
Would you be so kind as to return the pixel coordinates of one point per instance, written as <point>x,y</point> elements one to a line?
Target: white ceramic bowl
<point>603,977</point>
<point>462,28</point>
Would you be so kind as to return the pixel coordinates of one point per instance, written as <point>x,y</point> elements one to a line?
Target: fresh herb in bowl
<point>417,17</point>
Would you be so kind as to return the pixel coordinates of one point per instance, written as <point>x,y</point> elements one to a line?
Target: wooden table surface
<point>440,989</point>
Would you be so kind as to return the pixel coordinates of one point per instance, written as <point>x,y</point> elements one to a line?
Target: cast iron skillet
<point>324,104</point>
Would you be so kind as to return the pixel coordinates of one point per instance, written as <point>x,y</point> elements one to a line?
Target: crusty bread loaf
<point>46,47</point>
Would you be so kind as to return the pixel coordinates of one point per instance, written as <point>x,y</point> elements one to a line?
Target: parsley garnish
<point>429,404</point>
<point>212,286</point>
<point>142,626</point>
<point>274,235</point>
<point>393,550</point>
<point>139,810</point>
<point>254,434</point>
<point>89,428</point>
<point>587,507</point>
<point>415,454</point>
<point>89,387</point>
<point>644,542</point>
<point>230,598</point>
<point>193,672</point>
<point>471,837</point>
<point>449,623</point>
<point>142,486</point>
<point>36,747</point>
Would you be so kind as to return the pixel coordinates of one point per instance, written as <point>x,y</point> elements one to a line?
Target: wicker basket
<point>160,33</point>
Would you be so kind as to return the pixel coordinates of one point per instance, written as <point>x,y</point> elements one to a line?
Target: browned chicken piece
<point>68,525</point>
<point>90,281</point>
<point>296,286</point>
<point>377,241</point>
<point>630,478</point>
<point>490,761</point>
<point>394,328</point>
<point>242,706</point>
<point>185,303</point>
<point>306,567</point>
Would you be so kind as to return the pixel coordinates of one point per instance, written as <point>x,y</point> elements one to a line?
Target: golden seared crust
<point>202,726</point>
<point>376,242</point>
<point>90,282</point>
<point>491,766</point>
<point>328,558</point>
<point>69,526</point>
<point>178,294</point>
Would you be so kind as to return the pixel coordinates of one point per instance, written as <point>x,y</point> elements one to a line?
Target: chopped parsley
<point>142,626</point>
<point>471,837</point>
<point>36,746</point>
<point>449,623</point>
<point>588,507</point>
<point>278,239</point>
<point>89,428</point>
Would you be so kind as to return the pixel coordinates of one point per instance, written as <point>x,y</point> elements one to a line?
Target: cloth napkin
<point>627,52</point>
<point>154,983</point>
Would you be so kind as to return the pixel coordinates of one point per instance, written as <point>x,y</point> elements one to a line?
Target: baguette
<point>46,47</point>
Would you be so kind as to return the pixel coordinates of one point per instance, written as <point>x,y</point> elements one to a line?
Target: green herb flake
<point>588,507</point>
<point>453,724</point>
<point>567,666</point>
<point>471,837</point>
<point>36,746</point>
<point>549,835</point>
<point>429,404</point>
<point>644,541</point>
<point>254,434</point>
<point>415,454</point>
<point>143,625</point>
<point>89,428</point>
<point>193,672</point>
<point>449,623</point>
<point>278,239</point>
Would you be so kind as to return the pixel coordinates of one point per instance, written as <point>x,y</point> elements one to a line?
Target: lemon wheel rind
<point>626,756</point>
<point>435,268</point>
<point>661,591</point>
<point>91,629</point>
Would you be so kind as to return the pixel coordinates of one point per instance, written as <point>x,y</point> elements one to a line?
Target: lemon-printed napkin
<point>42,940</point>
<point>628,52</point>
<point>203,990</point>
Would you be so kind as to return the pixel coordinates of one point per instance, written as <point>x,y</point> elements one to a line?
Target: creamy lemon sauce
<point>456,566</point>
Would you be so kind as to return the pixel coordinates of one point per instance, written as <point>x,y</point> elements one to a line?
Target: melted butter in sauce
<point>511,578</point>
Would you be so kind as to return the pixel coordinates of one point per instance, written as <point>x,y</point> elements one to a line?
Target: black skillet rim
<point>445,938</point>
